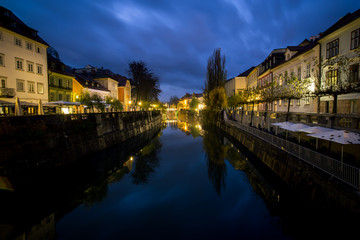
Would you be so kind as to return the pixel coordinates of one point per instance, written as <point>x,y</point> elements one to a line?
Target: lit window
<point>31,87</point>
<point>40,88</point>
<point>331,77</point>
<point>355,39</point>
<point>332,48</point>
<point>307,100</point>
<point>299,73</point>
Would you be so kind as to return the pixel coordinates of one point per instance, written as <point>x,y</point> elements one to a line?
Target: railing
<point>337,169</point>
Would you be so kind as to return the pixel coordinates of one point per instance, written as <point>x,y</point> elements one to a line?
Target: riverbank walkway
<point>335,168</point>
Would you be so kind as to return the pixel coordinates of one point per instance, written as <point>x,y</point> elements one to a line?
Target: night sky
<point>175,37</point>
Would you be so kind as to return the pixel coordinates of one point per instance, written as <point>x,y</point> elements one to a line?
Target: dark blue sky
<point>175,38</point>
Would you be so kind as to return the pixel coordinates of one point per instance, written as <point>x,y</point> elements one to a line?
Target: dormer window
<point>86,83</point>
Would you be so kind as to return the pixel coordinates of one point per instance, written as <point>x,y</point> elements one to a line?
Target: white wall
<point>8,71</point>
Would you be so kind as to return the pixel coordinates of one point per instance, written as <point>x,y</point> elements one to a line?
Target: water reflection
<point>215,155</point>
<point>146,162</point>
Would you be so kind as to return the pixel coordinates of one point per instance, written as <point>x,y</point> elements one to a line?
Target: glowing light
<point>65,110</point>
<point>140,103</point>
<point>129,102</point>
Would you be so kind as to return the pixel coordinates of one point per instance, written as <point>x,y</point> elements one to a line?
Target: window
<point>18,42</point>
<point>30,66</point>
<point>331,77</point>
<point>20,85</point>
<point>60,82</point>
<point>29,46</point>
<point>2,60</point>
<point>291,102</point>
<point>19,63</point>
<point>354,73</point>
<point>67,83</point>
<point>307,100</point>
<point>31,87</point>
<point>355,39</point>
<point>308,70</point>
<point>279,102</point>
<point>3,82</point>
<point>332,48</point>
<point>297,102</point>
<point>40,88</point>
<point>60,97</point>
<point>68,98</point>
<point>39,68</point>
<point>299,73</point>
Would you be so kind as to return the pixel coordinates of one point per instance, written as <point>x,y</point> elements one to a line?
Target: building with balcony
<point>23,64</point>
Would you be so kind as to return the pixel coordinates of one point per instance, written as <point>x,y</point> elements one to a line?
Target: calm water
<point>186,183</point>
<point>178,188</point>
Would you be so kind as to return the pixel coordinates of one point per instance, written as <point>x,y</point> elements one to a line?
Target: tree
<point>292,88</point>
<point>146,83</point>
<point>194,102</point>
<point>98,102</point>
<point>218,98</point>
<point>114,103</point>
<point>174,100</point>
<point>52,52</point>
<point>215,75</point>
<point>86,99</point>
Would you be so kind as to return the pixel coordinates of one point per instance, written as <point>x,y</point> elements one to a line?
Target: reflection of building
<point>23,63</point>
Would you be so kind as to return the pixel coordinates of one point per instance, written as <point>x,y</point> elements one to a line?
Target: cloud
<point>175,38</point>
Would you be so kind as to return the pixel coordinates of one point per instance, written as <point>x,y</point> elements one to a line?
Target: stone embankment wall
<point>309,183</point>
<point>55,140</point>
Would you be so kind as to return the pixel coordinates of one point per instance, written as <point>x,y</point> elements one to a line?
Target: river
<point>186,183</point>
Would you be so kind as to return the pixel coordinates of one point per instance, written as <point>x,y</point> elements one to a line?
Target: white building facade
<point>23,61</point>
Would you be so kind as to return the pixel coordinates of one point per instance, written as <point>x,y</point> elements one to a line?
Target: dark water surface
<point>186,183</point>
<point>175,191</point>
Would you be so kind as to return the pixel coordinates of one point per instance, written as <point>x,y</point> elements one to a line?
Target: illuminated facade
<point>23,62</point>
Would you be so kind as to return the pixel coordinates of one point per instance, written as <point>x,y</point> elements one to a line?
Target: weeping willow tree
<point>215,75</point>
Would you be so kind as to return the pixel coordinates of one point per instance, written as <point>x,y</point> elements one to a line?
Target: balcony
<point>7,92</point>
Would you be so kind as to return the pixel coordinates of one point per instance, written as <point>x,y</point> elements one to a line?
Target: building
<point>300,64</point>
<point>23,64</point>
<point>339,49</point>
<point>84,83</point>
<point>184,102</point>
<point>237,84</point>
<point>60,81</point>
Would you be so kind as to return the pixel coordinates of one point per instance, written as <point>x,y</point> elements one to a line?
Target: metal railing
<point>342,171</point>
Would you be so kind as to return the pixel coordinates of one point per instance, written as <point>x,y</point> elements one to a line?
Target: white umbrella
<point>294,128</point>
<point>18,109</point>
<point>40,108</point>
<point>281,124</point>
<point>315,130</point>
<point>339,136</point>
